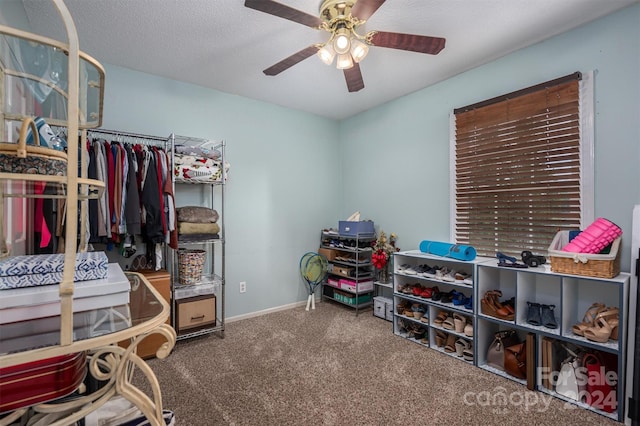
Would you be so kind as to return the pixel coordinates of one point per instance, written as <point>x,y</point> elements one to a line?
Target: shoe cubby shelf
<point>567,297</point>
<point>412,274</point>
<point>570,295</point>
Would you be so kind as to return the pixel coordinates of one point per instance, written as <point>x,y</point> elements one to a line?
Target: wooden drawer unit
<point>161,282</point>
<point>195,312</point>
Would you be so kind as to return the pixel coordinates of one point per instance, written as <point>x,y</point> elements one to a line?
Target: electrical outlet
<point>243,287</point>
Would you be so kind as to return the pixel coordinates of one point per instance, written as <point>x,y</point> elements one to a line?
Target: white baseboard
<point>266,311</point>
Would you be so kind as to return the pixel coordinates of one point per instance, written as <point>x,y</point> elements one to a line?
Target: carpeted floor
<point>329,367</point>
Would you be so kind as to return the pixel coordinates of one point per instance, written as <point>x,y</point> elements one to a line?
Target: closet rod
<point>115,133</point>
<point>118,133</point>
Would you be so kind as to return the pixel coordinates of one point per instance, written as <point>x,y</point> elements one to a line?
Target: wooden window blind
<point>517,168</point>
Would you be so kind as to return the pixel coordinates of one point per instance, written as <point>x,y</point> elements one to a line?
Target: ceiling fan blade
<point>353,76</point>
<point>284,11</point>
<point>412,42</point>
<point>363,9</point>
<point>291,60</point>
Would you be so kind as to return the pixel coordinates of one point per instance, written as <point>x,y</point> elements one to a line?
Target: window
<point>523,167</point>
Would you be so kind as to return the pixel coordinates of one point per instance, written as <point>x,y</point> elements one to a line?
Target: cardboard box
<point>351,299</point>
<point>330,254</point>
<point>344,271</point>
<point>333,282</point>
<point>363,228</point>
<point>352,286</point>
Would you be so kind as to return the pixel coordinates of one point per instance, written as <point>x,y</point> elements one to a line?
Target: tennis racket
<point>313,268</point>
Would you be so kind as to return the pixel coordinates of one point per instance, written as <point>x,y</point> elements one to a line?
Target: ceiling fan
<point>341,18</point>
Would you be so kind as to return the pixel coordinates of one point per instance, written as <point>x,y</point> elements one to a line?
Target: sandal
<point>450,345</point>
<point>402,306</point>
<point>508,261</point>
<point>441,337</point>
<point>605,327</point>
<point>588,319</point>
<point>418,310</point>
<point>487,306</point>
<point>418,333</point>
<point>449,323</point>
<point>467,353</point>
<point>507,308</point>
<point>461,345</point>
<point>459,322</point>
<point>459,299</point>
<point>468,330</point>
<point>402,327</point>
<point>408,289</point>
<point>442,315</point>
<point>469,304</point>
<point>427,293</point>
<point>490,305</point>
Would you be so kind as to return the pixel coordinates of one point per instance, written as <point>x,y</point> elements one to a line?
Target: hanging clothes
<point>153,231</point>
<point>93,208</point>
<point>132,211</point>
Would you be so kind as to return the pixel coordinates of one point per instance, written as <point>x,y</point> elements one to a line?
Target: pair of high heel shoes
<point>491,305</point>
<point>599,324</point>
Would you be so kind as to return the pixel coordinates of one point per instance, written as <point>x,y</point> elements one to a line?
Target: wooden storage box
<point>591,265</point>
<point>196,312</point>
<point>161,282</point>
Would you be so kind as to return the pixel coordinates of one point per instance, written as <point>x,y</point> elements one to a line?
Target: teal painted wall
<point>282,181</point>
<point>398,154</point>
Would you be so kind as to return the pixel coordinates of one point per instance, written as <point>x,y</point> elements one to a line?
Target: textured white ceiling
<point>223,45</point>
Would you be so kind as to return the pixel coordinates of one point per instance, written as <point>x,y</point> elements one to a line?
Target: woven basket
<point>190,266</point>
<point>591,265</point>
<point>31,159</point>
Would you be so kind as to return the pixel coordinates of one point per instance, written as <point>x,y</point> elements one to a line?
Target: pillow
<point>196,214</point>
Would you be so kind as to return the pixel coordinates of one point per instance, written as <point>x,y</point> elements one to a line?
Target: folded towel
<point>196,214</point>
<point>197,228</point>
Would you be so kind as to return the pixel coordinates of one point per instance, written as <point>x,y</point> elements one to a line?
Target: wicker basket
<point>190,266</point>
<point>591,265</point>
<point>31,159</point>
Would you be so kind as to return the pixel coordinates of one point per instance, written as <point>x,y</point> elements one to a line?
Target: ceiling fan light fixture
<point>326,54</point>
<point>359,50</point>
<point>345,61</point>
<point>342,41</point>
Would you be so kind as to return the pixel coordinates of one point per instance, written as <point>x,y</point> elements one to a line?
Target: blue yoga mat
<point>454,251</point>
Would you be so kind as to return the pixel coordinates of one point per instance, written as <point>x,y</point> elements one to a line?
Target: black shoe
<point>533,313</point>
<point>548,318</point>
